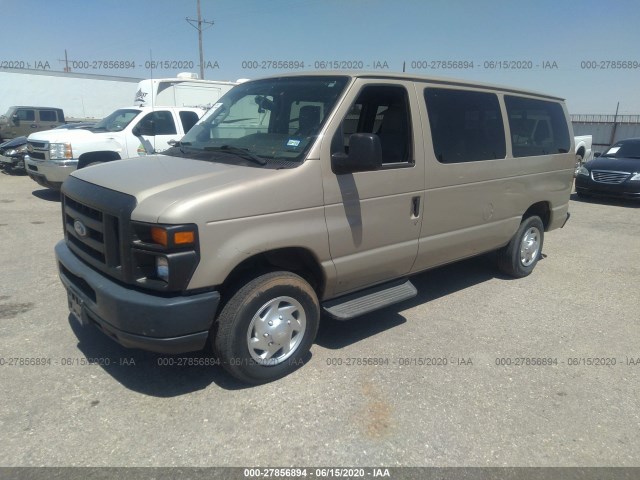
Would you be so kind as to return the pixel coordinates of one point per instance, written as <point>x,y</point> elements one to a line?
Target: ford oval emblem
<point>80,228</point>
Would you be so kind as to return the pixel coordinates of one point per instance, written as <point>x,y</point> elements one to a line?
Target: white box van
<point>186,90</point>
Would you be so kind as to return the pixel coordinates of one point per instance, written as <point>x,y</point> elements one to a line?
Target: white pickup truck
<point>583,150</point>
<point>127,132</point>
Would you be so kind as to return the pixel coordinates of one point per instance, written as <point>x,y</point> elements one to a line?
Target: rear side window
<point>48,116</point>
<point>538,127</point>
<point>188,119</point>
<point>466,126</point>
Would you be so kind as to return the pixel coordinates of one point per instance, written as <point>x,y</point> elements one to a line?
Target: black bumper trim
<point>172,345</point>
<point>137,319</point>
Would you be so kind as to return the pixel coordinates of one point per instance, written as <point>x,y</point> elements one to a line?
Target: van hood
<point>180,190</point>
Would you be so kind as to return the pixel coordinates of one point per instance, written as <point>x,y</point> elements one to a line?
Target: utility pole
<point>197,24</point>
<point>615,125</point>
<point>66,61</point>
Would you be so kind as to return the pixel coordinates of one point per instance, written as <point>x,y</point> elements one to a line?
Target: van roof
<point>410,76</point>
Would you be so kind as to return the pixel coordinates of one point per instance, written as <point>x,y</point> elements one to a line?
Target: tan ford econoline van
<point>306,194</point>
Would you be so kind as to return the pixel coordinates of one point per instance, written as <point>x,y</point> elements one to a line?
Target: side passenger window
<point>383,110</point>
<point>158,123</point>
<point>188,119</point>
<point>466,126</point>
<point>26,115</point>
<point>48,116</point>
<point>537,127</point>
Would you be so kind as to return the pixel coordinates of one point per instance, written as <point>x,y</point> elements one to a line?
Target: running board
<point>365,301</point>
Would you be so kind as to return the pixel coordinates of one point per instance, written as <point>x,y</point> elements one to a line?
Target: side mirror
<point>143,128</point>
<point>15,119</point>
<point>597,154</point>
<point>365,154</point>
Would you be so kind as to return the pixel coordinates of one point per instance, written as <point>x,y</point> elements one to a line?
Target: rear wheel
<point>520,256</point>
<point>267,327</point>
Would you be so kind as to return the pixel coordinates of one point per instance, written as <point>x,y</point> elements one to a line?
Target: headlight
<point>635,177</point>
<point>582,170</point>
<point>60,151</point>
<point>162,268</point>
<point>164,256</point>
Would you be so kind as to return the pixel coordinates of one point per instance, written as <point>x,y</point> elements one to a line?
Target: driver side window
<point>383,110</point>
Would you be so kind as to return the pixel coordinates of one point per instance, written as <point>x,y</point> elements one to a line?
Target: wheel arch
<point>298,260</point>
<point>101,156</point>
<point>542,210</point>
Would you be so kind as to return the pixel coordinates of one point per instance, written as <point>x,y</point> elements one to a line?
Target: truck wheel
<point>520,256</point>
<point>267,327</point>
<point>578,164</point>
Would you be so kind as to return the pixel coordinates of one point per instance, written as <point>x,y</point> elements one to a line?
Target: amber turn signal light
<point>159,236</point>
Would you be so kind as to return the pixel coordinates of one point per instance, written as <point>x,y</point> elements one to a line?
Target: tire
<point>520,256</point>
<point>584,196</point>
<point>251,338</point>
<point>579,160</point>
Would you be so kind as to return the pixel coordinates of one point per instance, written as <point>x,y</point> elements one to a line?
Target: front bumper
<point>11,162</point>
<point>136,319</point>
<point>49,173</point>
<point>627,189</point>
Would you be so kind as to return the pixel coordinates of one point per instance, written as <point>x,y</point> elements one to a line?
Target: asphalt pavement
<point>477,370</point>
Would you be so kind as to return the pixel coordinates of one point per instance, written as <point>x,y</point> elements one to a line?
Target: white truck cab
<point>127,132</point>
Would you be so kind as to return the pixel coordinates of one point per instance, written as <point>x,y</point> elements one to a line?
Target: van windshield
<point>117,121</point>
<point>262,120</point>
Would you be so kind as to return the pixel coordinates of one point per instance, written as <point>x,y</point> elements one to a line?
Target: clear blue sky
<point>367,31</point>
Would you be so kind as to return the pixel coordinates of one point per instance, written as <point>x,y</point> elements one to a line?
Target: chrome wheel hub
<point>276,330</point>
<point>530,246</point>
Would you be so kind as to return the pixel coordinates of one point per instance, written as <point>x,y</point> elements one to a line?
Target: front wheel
<point>579,160</point>
<point>520,256</point>
<point>267,327</point>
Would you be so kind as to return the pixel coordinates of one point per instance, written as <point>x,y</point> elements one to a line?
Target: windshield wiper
<point>240,152</point>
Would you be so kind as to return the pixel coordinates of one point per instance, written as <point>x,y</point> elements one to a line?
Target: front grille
<point>606,176</point>
<point>96,226</point>
<point>38,150</point>
<point>92,239</point>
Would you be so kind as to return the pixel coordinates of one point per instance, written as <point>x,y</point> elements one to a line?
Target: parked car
<point>309,193</point>
<point>23,121</point>
<point>616,173</point>
<point>12,153</point>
